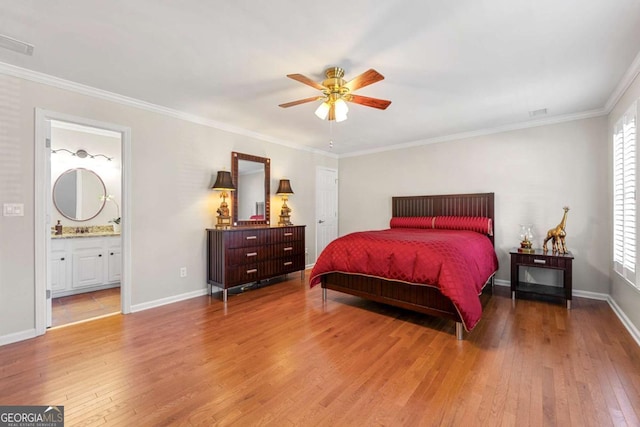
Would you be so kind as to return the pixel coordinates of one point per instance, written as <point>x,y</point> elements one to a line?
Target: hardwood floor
<point>79,307</point>
<point>279,356</point>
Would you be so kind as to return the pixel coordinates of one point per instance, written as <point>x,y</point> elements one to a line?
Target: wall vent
<point>16,45</point>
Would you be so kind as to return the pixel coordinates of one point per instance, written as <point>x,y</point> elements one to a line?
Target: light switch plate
<point>13,209</point>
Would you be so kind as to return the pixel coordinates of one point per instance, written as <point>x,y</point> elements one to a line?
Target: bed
<point>413,279</point>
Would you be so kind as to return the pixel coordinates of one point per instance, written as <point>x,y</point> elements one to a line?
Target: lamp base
<point>223,221</point>
<point>526,250</point>
<point>284,220</point>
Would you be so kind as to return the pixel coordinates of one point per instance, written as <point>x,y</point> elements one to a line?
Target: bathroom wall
<point>74,138</point>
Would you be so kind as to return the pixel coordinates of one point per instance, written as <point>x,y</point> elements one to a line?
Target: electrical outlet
<point>183,271</point>
<point>306,251</point>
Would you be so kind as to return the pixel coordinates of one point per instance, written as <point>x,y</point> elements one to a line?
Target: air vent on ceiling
<point>16,45</point>
<point>538,113</point>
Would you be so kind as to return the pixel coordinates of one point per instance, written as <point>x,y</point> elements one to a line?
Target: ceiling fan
<point>336,92</point>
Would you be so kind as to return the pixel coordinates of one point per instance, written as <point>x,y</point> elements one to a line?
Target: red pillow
<point>478,224</point>
<point>412,222</point>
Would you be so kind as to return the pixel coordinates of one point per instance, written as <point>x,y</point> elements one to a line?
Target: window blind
<point>624,195</point>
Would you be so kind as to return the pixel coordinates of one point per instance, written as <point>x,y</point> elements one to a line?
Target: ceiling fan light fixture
<point>341,110</point>
<point>323,111</point>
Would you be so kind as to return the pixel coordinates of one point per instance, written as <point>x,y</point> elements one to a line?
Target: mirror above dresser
<point>250,201</point>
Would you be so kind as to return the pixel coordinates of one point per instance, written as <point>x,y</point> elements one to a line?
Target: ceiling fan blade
<point>301,101</point>
<point>306,80</point>
<point>365,79</point>
<point>380,104</point>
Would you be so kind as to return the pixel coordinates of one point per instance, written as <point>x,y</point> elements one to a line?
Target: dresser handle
<point>539,261</point>
<point>252,254</point>
<point>253,270</point>
<point>290,248</point>
<point>252,237</point>
<point>288,263</point>
<point>288,234</point>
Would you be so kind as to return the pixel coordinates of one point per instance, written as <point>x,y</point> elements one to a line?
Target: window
<point>624,195</point>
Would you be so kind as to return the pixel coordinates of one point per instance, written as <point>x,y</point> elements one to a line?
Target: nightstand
<point>539,259</point>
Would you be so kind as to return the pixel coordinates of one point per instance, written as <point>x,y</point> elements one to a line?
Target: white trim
<point>628,78</point>
<point>85,129</point>
<point>59,83</point>
<point>37,77</point>
<point>590,295</point>
<point>18,336</point>
<point>500,282</point>
<point>484,132</point>
<point>40,225</point>
<point>168,300</point>
<point>41,198</point>
<point>635,333</point>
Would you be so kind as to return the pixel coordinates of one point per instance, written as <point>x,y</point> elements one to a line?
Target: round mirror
<point>79,194</point>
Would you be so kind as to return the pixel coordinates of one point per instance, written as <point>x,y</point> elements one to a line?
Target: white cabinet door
<point>114,264</point>
<point>59,263</point>
<point>88,267</point>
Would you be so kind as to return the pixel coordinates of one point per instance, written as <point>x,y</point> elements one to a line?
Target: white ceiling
<point>451,67</point>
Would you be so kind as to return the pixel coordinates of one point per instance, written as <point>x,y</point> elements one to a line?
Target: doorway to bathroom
<point>82,246</point>
<point>86,177</point>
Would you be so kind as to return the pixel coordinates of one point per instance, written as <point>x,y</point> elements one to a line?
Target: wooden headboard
<point>474,204</point>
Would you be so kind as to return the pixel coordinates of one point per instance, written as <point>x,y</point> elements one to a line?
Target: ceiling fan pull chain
<point>330,134</point>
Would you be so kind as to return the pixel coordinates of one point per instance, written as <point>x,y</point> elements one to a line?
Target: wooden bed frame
<point>416,297</point>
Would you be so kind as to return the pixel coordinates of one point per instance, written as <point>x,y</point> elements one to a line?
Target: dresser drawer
<point>248,255</point>
<point>288,249</point>
<point>239,274</point>
<point>534,260</point>
<point>287,234</point>
<point>246,238</point>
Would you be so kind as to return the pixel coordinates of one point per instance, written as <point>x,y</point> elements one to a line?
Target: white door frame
<point>42,230</point>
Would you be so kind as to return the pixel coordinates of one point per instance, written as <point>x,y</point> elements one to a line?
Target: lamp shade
<point>284,187</point>
<point>224,181</point>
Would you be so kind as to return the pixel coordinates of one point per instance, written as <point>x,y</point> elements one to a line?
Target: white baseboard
<point>635,333</point>
<point>18,336</point>
<point>168,300</point>
<point>501,282</point>
<point>591,295</point>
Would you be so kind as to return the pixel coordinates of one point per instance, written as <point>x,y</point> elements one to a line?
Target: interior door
<point>326,207</point>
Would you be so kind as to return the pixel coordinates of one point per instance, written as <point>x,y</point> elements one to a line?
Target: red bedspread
<point>458,262</point>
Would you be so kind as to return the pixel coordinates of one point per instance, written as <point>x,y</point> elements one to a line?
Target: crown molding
<point>628,78</point>
<point>483,132</point>
<point>59,83</point>
<point>38,77</point>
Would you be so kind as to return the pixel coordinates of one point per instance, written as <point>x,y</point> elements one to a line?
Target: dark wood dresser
<point>244,255</point>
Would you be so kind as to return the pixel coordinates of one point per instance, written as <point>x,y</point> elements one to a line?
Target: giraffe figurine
<point>557,236</point>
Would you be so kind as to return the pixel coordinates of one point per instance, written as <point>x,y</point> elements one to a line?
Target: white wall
<point>533,173</point>
<point>173,162</point>
<point>626,296</point>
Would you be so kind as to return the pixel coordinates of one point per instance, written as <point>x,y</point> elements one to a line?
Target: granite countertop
<point>80,235</point>
<point>90,231</point>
